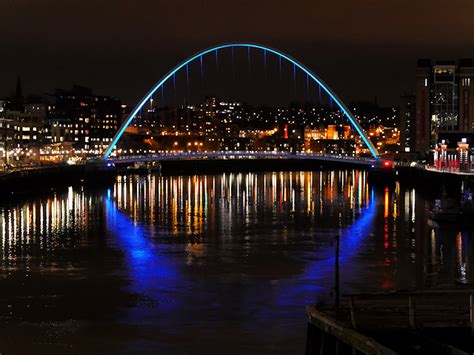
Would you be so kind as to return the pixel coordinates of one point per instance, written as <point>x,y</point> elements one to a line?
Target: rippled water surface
<point>209,263</point>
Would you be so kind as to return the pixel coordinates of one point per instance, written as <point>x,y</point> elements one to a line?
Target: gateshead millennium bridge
<point>282,56</point>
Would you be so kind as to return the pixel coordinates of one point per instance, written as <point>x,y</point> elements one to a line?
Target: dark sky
<point>361,48</point>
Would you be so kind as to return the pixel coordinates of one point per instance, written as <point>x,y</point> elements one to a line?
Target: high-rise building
<point>466,95</point>
<point>90,121</point>
<point>407,123</point>
<point>28,127</point>
<point>444,97</point>
<point>22,123</point>
<point>422,92</point>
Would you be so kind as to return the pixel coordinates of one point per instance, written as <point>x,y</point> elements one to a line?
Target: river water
<point>220,263</point>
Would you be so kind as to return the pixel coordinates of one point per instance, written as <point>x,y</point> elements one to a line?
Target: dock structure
<point>406,322</point>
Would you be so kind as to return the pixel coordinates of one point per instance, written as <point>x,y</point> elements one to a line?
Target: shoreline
<point>97,174</point>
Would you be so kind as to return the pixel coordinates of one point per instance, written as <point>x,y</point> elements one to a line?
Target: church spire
<point>17,100</point>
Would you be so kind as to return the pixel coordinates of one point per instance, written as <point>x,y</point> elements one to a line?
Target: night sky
<point>361,48</point>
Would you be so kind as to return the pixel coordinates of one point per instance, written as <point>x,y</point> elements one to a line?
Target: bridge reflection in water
<point>193,201</point>
<point>232,251</point>
<point>203,210</point>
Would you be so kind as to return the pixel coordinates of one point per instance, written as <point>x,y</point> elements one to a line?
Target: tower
<point>17,100</point>
<point>466,95</point>
<point>422,92</point>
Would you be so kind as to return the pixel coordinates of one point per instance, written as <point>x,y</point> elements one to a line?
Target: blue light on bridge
<point>307,85</point>
<point>200,55</point>
<point>294,76</point>
<point>249,59</point>
<point>202,68</point>
<point>187,74</point>
<point>279,66</point>
<point>265,60</point>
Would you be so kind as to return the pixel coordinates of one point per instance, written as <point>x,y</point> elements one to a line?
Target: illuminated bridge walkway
<point>240,155</point>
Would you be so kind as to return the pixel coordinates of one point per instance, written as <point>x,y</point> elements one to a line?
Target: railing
<point>449,170</point>
<point>240,154</point>
<point>417,309</point>
<point>394,323</point>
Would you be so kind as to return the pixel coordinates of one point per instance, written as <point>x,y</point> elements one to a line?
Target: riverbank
<point>434,182</point>
<point>25,181</point>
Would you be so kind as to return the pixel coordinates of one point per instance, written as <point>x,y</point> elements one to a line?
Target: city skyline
<point>240,177</point>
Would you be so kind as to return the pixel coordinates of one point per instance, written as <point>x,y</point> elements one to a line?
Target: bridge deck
<point>240,155</point>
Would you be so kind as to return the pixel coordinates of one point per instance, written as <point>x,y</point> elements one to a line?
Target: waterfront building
<point>21,135</point>
<point>28,127</point>
<point>407,124</point>
<point>87,120</point>
<point>444,102</point>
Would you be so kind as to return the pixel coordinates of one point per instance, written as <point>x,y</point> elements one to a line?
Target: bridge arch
<point>313,76</point>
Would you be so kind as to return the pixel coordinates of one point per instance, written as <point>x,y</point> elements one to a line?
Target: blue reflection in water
<point>157,275</point>
<point>152,272</point>
<point>318,276</point>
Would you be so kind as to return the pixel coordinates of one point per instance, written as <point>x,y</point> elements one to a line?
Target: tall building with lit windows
<point>89,121</point>
<point>407,123</point>
<point>444,102</point>
<point>466,95</point>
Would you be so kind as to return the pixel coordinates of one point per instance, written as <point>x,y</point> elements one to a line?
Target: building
<point>7,136</point>
<point>21,135</point>
<point>407,123</point>
<point>87,120</point>
<point>444,102</point>
<point>466,95</point>
<point>28,128</point>
<point>37,109</point>
<point>3,105</point>
<point>423,99</point>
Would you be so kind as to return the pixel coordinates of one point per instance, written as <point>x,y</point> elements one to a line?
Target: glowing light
<point>202,68</point>
<point>200,55</point>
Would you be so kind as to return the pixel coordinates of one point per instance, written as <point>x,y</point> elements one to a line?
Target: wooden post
<point>351,305</point>
<point>411,311</point>
<point>322,344</point>
<point>311,340</point>
<point>328,344</point>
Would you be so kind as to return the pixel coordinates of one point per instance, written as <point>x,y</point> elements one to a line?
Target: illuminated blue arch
<point>310,74</point>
